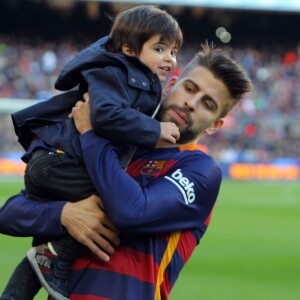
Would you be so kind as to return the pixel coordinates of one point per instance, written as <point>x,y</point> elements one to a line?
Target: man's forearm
<point>88,223</point>
<point>21,216</point>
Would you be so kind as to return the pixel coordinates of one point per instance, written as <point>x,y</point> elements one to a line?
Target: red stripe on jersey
<point>185,248</point>
<point>167,167</point>
<point>125,261</point>
<point>186,245</point>
<point>166,287</point>
<point>208,218</point>
<point>135,168</point>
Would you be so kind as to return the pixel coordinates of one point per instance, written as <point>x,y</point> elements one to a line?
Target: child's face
<point>159,57</point>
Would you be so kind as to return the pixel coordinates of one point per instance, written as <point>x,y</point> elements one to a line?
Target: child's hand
<point>81,114</point>
<point>169,132</point>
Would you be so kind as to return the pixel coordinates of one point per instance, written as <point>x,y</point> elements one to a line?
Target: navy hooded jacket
<point>123,95</point>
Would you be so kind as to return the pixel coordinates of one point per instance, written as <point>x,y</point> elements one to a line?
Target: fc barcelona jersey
<point>170,191</point>
<point>162,206</point>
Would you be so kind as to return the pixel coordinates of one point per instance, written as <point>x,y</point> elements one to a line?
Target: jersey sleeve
<point>21,216</point>
<point>182,199</point>
<point>113,114</point>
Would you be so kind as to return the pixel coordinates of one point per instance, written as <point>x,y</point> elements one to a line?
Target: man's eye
<point>189,89</point>
<point>209,105</point>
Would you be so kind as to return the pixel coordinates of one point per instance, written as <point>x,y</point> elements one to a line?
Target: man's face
<point>194,104</point>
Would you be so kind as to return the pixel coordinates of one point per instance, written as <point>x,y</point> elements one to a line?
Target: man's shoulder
<point>195,150</point>
<point>195,158</point>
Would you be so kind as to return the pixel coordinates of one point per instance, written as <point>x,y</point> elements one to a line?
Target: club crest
<point>153,167</point>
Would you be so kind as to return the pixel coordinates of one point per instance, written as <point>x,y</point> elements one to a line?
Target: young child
<point>123,74</point>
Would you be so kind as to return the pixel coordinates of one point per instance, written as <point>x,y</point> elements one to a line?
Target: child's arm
<point>118,109</point>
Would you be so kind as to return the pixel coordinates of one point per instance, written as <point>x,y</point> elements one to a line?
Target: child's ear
<point>127,50</point>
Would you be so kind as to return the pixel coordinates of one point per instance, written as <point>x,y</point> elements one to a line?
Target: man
<point>162,209</point>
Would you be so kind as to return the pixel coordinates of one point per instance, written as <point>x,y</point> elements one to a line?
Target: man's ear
<point>127,50</point>
<point>215,126</point>
<point>171,82</point>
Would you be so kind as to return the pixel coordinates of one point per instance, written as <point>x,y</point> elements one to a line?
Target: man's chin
<point>186,136</point>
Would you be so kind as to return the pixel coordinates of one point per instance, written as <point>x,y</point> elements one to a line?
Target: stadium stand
<point>262,128</point>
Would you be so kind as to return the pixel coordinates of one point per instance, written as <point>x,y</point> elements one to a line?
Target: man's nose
<point>191,103</point>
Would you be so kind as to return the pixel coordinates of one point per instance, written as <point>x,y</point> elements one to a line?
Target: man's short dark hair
<point>225,69</point>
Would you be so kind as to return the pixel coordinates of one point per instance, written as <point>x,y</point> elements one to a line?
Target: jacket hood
<point>92,56</point>
<point>96,56</point>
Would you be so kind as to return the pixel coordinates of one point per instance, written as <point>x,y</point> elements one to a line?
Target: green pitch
<point>251,249</point>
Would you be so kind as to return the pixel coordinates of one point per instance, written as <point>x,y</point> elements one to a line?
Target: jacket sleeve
<point>113,111</point>
<point>42,114</point>
<point>21,216</point>
<point>161,206</point>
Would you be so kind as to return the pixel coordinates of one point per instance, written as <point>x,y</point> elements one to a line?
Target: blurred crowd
<point>264,126</point>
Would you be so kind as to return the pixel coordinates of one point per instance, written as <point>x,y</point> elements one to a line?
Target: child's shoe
<point>51,271</point>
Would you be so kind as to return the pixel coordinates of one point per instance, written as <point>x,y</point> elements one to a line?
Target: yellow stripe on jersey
<point>171,247</point>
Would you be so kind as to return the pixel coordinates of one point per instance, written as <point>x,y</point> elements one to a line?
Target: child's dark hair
<point>136,25</point>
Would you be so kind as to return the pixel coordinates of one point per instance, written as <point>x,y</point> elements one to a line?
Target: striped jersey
<point>162,209</point>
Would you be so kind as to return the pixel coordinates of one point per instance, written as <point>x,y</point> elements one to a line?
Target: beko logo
<point>185,186</point>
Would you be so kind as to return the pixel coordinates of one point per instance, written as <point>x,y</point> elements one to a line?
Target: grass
<point>12,249</point>
<point>251,249</point>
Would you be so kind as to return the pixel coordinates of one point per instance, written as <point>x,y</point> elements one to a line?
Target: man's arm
<point>84,220</point>
<point>20,216</point>
<point>158,206</point>
<point>87,222</point>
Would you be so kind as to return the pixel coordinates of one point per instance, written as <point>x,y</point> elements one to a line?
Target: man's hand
<point>81,114</point>
<point>169,132</point>
<point>87,223</point>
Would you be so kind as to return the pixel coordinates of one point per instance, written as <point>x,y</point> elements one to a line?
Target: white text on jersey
<point>184,185</point>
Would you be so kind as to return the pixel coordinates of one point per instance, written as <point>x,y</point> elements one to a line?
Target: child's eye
<point>159,49</point>
<point>174,53</point>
